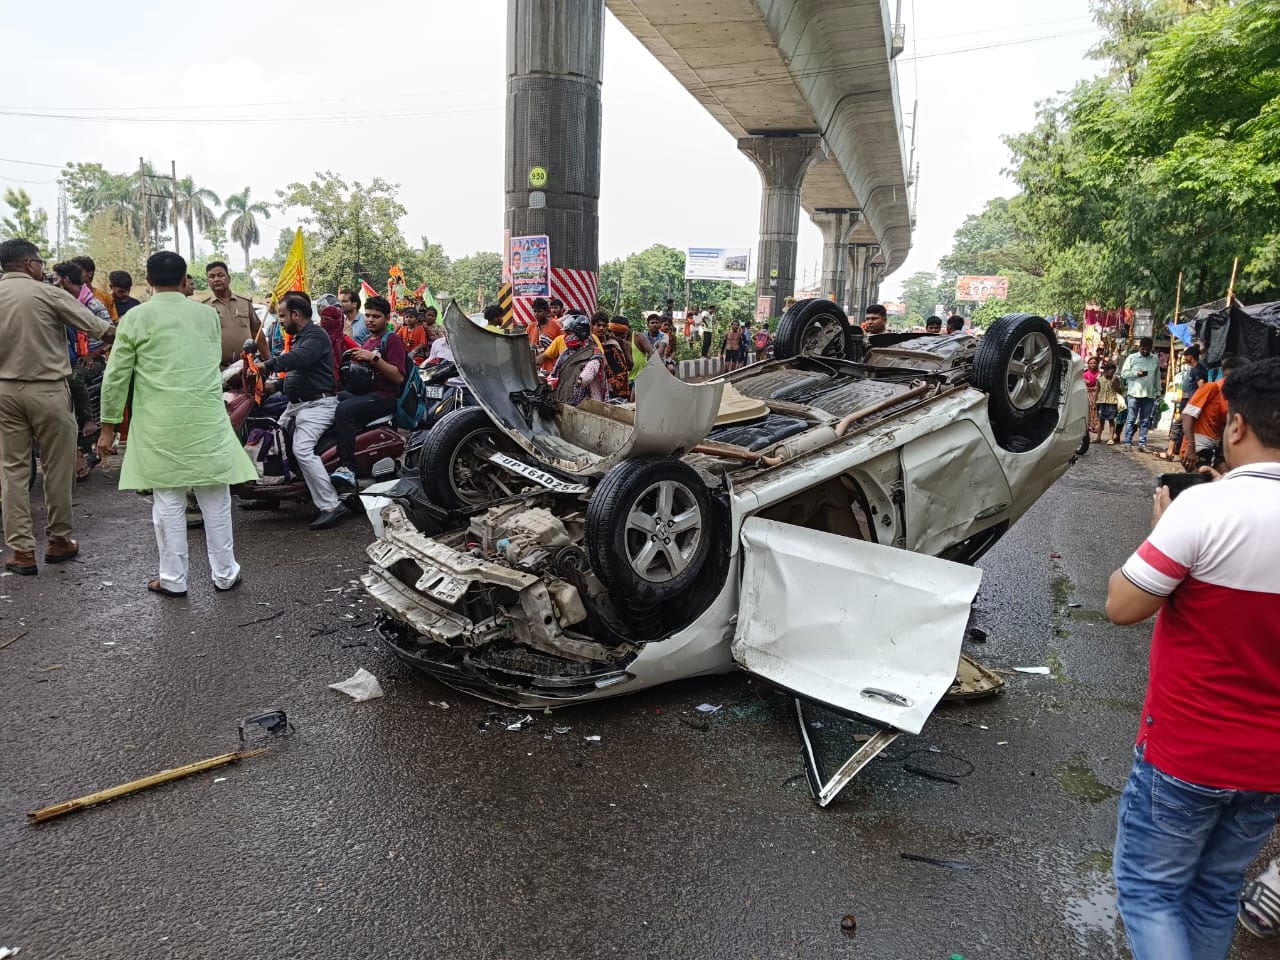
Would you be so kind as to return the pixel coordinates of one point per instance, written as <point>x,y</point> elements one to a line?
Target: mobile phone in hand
<point>1177,482</point>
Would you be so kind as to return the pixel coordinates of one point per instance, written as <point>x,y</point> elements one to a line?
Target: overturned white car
<point>812,519</point>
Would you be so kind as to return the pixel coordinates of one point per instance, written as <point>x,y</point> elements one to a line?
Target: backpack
<point>762,340</point>
<point>412,406</point>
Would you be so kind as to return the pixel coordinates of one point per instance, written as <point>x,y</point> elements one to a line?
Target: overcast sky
<point>254,94</point>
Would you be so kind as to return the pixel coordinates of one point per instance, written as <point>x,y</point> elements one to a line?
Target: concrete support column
<point>860,256</point>
<point>836,227</point>
<point>782,161</point>
<point>555,51</point>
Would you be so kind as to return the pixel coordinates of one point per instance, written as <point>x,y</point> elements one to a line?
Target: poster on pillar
<point>764,309</point>
<point>718,263</point>
<point>531,266</point>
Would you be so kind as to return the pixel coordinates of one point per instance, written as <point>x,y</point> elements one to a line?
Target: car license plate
<point>432,391</point>
<point>540,477</point>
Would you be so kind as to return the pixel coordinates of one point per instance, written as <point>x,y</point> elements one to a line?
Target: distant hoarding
<point>1143,325</point>
<point>981,289</point>
<point>895,309</point>
<point>718,263</point>
<point>764,309</point>
<point>531,266</point>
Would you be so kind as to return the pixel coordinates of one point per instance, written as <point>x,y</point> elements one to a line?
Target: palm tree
<point>193,207</point>
<point>244,226</point>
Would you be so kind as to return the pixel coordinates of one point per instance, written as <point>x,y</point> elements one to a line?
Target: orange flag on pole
<point>294,274</point>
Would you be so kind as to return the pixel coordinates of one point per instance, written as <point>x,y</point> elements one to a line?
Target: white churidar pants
<point>309,421</point>
<point>169,516</point>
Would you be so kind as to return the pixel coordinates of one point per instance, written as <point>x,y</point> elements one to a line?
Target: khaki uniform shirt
<point>34,318</point>
<point>239,323</point>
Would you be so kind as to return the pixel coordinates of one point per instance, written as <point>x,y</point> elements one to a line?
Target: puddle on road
<point>1079,782</point>
<point>1091,912</point>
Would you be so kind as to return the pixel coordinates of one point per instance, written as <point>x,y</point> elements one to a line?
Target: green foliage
<point>25,223</point>
<point>1171,164</point>
<point>480,273</point>
<point>195,209</point>
<point>243,214</point>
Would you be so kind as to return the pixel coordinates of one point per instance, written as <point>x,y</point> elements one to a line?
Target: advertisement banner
<point>531,266</point>
<point>717,263</point>
<point>981,289</point>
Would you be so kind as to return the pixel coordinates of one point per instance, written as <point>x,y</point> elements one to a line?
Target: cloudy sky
<point>242,94</point>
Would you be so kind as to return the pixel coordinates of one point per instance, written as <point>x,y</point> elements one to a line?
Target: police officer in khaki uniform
<point>35,402</point>
<point>239,320</point>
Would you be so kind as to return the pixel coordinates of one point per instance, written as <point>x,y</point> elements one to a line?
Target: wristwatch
<point>377,355</point>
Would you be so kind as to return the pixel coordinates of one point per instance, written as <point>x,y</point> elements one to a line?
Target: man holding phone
<point>1141,376</point>
<point>1204,792</point>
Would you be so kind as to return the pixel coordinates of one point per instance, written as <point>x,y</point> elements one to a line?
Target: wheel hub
<point>663,530</point>
<point>1030,370</point>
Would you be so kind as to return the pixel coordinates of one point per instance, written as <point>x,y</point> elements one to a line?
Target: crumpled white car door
<point>862,628</point>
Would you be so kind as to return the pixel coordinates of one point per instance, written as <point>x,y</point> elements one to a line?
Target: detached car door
<point>864,629</point>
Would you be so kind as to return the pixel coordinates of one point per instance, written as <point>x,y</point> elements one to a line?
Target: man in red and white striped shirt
<point>1204,792</point>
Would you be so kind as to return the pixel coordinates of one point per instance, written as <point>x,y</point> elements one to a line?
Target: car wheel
<point>649,529</point>
<point>1018,367</point>
<point>813,328</point>
<point>453,466</point>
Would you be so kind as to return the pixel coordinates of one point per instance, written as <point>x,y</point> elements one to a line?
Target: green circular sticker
<point>538,176</point>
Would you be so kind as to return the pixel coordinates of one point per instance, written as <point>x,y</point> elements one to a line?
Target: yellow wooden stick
<point>124,789</point>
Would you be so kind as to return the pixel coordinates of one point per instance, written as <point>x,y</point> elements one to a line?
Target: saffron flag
<point>294,274</point>
<point>366,292</point>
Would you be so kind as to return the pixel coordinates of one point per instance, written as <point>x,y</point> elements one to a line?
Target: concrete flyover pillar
<point>836,227</point>
<point>860,257</point>
<point>783,160</point>
<point>555,51</point>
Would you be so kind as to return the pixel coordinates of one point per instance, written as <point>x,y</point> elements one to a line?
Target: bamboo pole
<point>124,789</point>
<point>1231,287</point>
<point>1174,341</point>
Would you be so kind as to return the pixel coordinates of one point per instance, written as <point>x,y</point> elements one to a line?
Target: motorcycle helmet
<point>576,328</point>
<point>357,377</point>
<point>326,300</point>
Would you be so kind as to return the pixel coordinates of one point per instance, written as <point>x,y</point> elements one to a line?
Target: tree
<point>352,232</point>
<point>111,247</point>
<point>243,215</point>
<point>92,190</point>
<point>194,210</point>
<point>480,273</point>
<point>25,223</point>
<point>920,294</point>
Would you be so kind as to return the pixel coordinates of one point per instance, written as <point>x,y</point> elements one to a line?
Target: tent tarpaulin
<point>1252,332</point>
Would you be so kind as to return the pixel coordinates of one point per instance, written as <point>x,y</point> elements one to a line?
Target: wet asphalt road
<point>397,828</point>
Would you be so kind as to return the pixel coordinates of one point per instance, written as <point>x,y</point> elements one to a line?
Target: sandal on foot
<point>1259,911</point>
<point>155,587</point>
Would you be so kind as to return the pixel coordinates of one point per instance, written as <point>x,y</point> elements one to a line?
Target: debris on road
<point>360,686</point>
<point>933,861</point>
<point>442,704</point>
<point>594,738</point>
<point>250,623</point>
<point>561,730</point>
<point>133,786</point>
<point>14,639</point>
<point>7,952</point>
<point>1038,671</point>
<point>274,722</point>
<point>696,723</point>
<point>50,667</point>
<point>521,723</point>
<point>977,635</point>
<point>708,708</point>
<point>848,923</point>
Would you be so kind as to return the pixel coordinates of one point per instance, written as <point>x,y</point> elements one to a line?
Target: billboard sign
<point>981,289</point>
<point>718,263</point>
<point>1143,325</point>
<point>531,266</point>
<point>764,309</point>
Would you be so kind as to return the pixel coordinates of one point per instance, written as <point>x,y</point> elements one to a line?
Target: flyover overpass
<point>807,87</point>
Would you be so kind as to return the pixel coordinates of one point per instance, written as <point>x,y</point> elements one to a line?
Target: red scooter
<point>255,407</point>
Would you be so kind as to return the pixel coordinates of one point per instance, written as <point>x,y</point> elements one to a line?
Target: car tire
<point>649,528</point>
<point>1019,368</point>
<point>815,328</point>
<point>443,467</point>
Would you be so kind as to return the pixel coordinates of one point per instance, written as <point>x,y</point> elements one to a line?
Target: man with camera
<point>1204,792</point>
<point>313,401</point>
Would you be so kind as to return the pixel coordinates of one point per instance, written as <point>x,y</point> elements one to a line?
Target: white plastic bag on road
<point>361,685</point>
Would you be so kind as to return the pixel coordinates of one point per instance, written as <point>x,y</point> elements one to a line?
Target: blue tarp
<point>1183,331</point>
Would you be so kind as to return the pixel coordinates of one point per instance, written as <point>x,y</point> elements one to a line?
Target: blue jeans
<point>1180,858</point>
<point>1140,409</point>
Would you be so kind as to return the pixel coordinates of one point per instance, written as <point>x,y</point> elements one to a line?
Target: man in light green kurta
<point>170,350</point>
